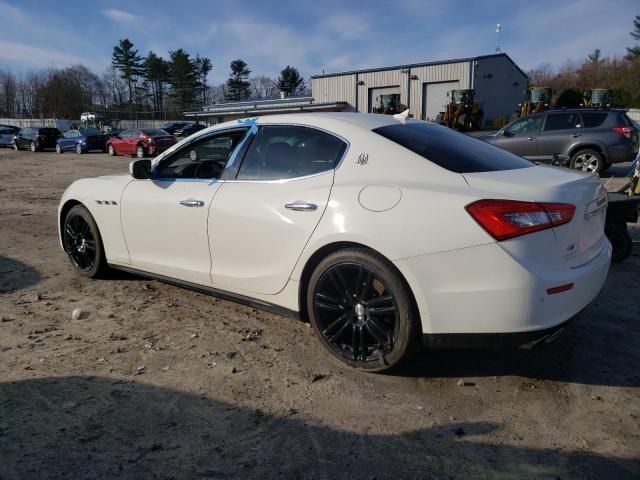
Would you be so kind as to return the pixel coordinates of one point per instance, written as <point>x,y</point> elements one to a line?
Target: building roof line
<point>226,110</point>
<point>422,64</point>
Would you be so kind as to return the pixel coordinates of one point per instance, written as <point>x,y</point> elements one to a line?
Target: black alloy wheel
<point>361,309</point>
<point>82,242</point>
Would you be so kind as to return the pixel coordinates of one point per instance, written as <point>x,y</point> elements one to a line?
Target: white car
<point>90,117</point>
<point>384,233</point>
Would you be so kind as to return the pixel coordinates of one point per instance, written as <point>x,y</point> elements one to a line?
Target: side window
<point>526,125</point>
<point>126,134</point>
<point>205,158</point>
<point>279,152</point>
<point>592,120</point>
<point>560,121</point>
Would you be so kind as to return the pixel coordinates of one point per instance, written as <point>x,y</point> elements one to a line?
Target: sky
<point>314,36</point>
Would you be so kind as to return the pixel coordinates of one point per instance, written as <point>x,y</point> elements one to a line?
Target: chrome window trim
<point>284,180</point>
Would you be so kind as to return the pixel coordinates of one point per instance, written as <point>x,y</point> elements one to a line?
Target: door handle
<point>531,138</point>
<point>301,206</point>
<point>576,135</point>
<point>192,203</point>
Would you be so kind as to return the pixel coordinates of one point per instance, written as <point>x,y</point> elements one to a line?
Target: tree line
<point>136,86</point>
<point>619,74</point>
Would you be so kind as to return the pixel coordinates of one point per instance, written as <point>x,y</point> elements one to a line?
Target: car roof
<point>584,110</point>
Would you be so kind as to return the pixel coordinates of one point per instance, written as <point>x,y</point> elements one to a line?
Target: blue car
<point>82,141</point>
<point>7,134</point>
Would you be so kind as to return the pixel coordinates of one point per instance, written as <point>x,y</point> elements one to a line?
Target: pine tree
<point>203,66</point>
<point>238,86</point>
<point>634,52</point>
<point>183,79</point>
<point>290,81</point>
<point>156,72</point>
<point>126,59</point>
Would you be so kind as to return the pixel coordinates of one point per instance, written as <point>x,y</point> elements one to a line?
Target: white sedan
<point>384,233</point>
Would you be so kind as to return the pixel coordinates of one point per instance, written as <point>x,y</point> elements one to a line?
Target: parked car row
<point>140,142</point>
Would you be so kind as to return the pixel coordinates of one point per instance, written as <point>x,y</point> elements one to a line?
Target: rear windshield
<point>592,120</point>
<point>451,150</point>
<point>49,131</point>
<point>154,131</point>
<point>90,131</point>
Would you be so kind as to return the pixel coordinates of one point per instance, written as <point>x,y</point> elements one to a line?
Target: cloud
<point>119,15</point>
<point>35,56</point>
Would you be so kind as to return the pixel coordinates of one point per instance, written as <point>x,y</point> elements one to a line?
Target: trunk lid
<point>580,240</point>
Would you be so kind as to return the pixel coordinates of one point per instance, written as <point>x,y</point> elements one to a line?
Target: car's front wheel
<point>33,146</point>
<point>588,160</point>
<point>82,242</point>
<point>140,151</point>
<point>362,310</point>
<point>79,150</point>
<point>110,150</point>
<point>58,149</point>
<point>15,146</point>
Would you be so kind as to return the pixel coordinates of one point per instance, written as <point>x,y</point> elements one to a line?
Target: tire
<point>82,242</point>
<point>33,147</point>
<point>79,150</point>
<point>587,160</point>
<point>16,147</point>
<point>111,151</point>
<point>344,291</point>
<point>59,150</point>
<point>621,242</point>
<point>140,151</point>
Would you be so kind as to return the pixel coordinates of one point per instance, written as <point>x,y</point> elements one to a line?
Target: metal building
<point>498,83</point>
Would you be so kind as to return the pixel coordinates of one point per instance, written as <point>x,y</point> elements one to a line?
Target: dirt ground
<point>160,382</point>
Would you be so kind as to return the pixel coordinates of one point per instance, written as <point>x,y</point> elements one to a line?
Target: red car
<point>140,142</point>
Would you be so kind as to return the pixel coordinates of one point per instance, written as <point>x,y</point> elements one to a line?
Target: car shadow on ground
<point>15,275</point>
<point>92,427</point>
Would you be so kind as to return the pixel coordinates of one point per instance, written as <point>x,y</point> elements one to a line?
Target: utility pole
<point>498,28</point>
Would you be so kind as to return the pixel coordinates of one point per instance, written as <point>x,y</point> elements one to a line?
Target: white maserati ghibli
<point>384,233</point>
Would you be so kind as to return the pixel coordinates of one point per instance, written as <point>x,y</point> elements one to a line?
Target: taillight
<point>39,137</point>
<point>504,219</point>
<point>624,131</point>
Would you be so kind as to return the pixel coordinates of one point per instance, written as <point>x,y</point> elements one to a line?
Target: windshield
<point>90,131</point>
<point>154,131</point>
<point>451,150</point>
<point>539,95</point>
<point>600,96</point>
<point>459,96</point>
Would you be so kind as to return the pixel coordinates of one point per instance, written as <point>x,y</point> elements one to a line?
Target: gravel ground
<point>153,381</point>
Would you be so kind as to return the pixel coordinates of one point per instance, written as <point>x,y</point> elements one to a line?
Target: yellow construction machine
<point>537,99</point>
<point>461,112</point>
<point>597,98</point>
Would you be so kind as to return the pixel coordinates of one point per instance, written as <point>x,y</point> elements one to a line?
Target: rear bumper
<point>484,290</point>
<point>622,152</point>
<point>495,341</point>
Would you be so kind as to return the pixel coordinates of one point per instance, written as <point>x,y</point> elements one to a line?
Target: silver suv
<point>592,138</point>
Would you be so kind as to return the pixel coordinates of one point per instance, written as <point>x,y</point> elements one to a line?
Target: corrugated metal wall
<point>385,78</point>
<point>445,72</point>
<point>499,88</point>
<point>341,88</point>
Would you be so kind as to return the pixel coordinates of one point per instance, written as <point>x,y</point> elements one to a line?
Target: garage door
<point>434,97</point>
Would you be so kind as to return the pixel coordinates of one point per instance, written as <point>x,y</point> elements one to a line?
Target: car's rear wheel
<point>82,242</point>
<point>79,149</point>
<point>139,151</point>
<point>588,160</point>
<point>111,151</point>
<point>58,148</point>
<point>362,310</point>
<point>33,146</point>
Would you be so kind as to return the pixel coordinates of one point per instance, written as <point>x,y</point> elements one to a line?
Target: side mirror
<point>140,169</point>
<point>507,133</point>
